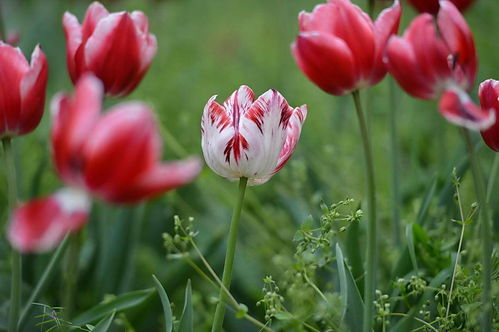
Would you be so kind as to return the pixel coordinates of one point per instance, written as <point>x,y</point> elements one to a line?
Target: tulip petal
<point>459,40</point>
<point>489,99</point>
<point>33,87</point>
<point>292,135</point>
<point>124,144</point>
<point>457,107</point>
<point>12,69</point>
<point>74,35</point>
<point>95,12</point>
<point>385,26</point>
<point>39,225</point>
<point>327,61</point>
<point>113,52</point>
<point>73,120</point>
<point>157,180</point>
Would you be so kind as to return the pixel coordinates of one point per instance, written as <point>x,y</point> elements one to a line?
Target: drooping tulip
<point>250,138</point>
<point>431,64</point>
<point>22,90</point>
<point>113,156</point>
<point>489,100</point>
<point>116,47</point>
<point>432,6</point>
<point>340,49</point>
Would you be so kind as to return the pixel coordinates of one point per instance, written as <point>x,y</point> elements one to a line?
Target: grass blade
<point>167,309</point>
<point>105,323</point>
<point>186,320</point>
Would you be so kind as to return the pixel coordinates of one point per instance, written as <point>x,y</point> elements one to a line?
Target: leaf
<point>105,323</point>
<point>410,245</point>
<point>165,302</point>
<point>119,303</point>
<point>353,249</point>
<point>353,305</point>
<point>423,210</point>
<point>186,322</point>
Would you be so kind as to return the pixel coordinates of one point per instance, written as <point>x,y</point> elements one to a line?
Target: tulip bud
<point>250,138</point>
<point>22,92</point>
<point>489,100</point>
<point>117,47</point>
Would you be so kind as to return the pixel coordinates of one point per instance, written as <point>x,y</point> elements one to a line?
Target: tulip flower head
<point>430,64</point>
<point>250,138</point>
<point>22,90</point>
<point>113,156</point>
<point>340,48</point>
<point>432,6</point>
<point>489,100</point>
<point>116,47</point>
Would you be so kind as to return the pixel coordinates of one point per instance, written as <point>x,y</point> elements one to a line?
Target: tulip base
<point>369,282</point>
<point>229,257</point>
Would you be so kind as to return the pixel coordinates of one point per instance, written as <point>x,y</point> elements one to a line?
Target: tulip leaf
<point>105,323</point>
<point>353,306</point>
<point>167,309</point>
<point>119,303</point>
<point>409,234</point>
<point>423,210</point>
<point>186,320</point>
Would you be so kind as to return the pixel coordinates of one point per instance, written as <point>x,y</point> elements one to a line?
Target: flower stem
<point>229,256</point>
<point>485,234</point>
<point>492,177</point>
<point>44,280</point>
<point>71,273</point>
<point>16,263</point>
<point>395,165</point>
<point>371,217</point>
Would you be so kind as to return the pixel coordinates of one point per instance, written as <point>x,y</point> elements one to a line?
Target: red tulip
<point>432,6</point>
<point>429,64</point>
<point>489,99</point>
<point>117,47</point>
<point>22,90</point>
<point>340,48</point>
<point>250,138</point>
<point>41,224</point>
<point>113,156</point>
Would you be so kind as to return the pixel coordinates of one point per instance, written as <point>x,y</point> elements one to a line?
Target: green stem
<point>2,25</point>
<point>492,177</point>
<point>71,274</point>
<point>485,234</point>
<point>229,256</point>
<point>44,280</point>
<point>16,262</point>
<point>371,217</point>
<point>395,165</point>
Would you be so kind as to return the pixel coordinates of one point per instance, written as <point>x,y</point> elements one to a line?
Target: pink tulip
<point>489,100</point>
<point>432,6</point>
<point>22,90</point>
<point>250,138</point>
<point>431,64</point>
<point>340,48</point>
<point>113,156</point>
<point>117,47</point>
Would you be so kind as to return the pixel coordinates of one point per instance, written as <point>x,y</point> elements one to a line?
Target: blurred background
<point>210,48</point>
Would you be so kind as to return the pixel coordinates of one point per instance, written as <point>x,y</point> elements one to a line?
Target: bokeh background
<point>211,48</point>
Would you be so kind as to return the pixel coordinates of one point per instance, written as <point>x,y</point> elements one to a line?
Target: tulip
<point>22,92</point>
<point>117,47</point>
<point>340,48</point>
<point>431,65</point>
<point>489,99</point>
<point>250,138</point>
<point>432,6</point>
<point>114,157</point>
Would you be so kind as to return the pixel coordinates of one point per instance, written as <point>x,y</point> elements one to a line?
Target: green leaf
<point>423,210</point>
<point>105,323</point>
<point>186,320</point>
<point>410,245</point>
<point>119,303</point>
<point>353,249</point>
<point>167,309</point>
<point>352,301</point>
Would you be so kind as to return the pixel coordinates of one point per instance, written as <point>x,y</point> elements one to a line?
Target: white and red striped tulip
<point>489,100</point>
<point>250,138</point>
<point>116,47</point>
<point>22,90</point>
<point>113,156</point>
